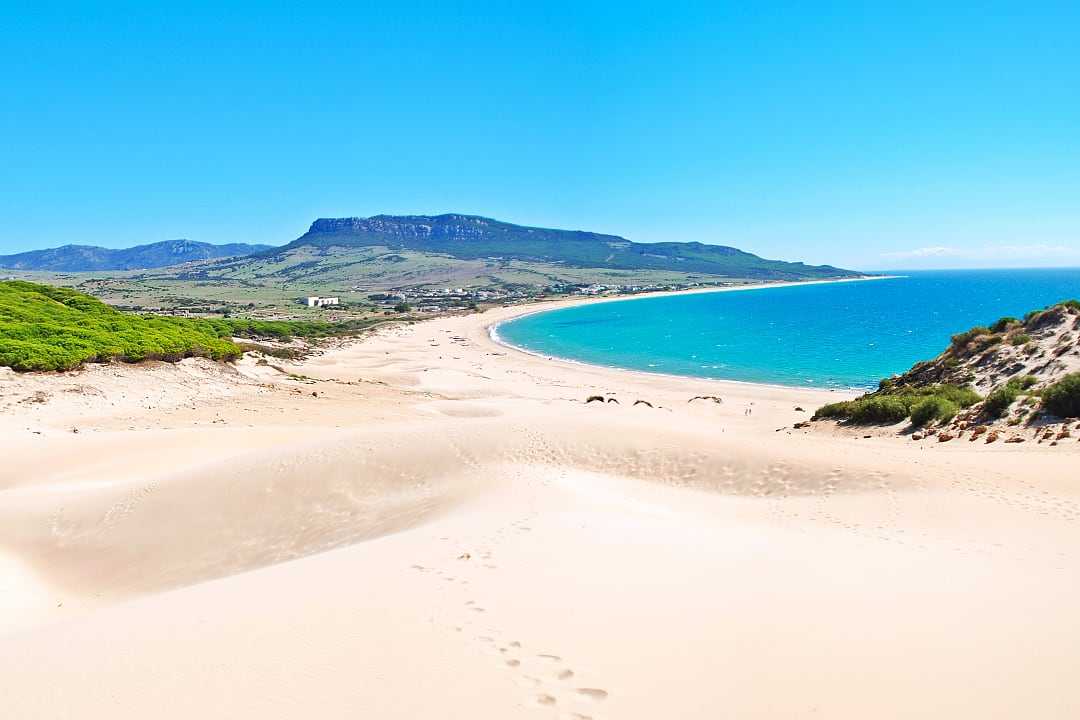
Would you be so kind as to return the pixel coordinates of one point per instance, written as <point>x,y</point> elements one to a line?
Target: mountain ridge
<point>471,237</point>
<point>82,258</point>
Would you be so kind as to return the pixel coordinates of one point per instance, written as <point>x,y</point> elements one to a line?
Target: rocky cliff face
<point>439,227</point>
<point>409,226</point>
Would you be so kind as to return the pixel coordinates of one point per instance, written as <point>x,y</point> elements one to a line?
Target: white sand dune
<point>445,529</point>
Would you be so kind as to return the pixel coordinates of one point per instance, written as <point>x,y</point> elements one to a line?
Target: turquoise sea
<point>830,335</point>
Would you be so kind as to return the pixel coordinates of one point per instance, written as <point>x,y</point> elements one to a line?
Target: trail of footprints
<point>547,678</point>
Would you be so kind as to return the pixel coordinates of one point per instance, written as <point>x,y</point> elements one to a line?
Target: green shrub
<point>1063,397</point>
<point>884,410</point>
<point>894,404</point>
<point>999,401</point>
<point>962,340</point>
<point>1003,324</point>
<point>1020,339</point>
<point>934,408</point>
<point>1024,381</point>
<point>962,395</point>
<point>834,411</point>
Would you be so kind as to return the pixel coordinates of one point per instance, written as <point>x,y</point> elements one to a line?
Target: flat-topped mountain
<point>422,256</point>
<point>470,237</point>
<point>78,258</point>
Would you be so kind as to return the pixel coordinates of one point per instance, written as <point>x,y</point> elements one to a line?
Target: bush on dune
<point>884,410</point>
<point>834,411</point>
<point>1002,398</point>
<point>893,404</point>
<point>960,341</point>
<point>933,409</point>
<point>1063,397</point>
<point>1003,324</point>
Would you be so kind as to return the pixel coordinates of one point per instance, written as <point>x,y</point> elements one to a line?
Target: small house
<point>315,301</point>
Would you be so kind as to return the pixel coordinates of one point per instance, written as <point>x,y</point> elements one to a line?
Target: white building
<point>315,301</point>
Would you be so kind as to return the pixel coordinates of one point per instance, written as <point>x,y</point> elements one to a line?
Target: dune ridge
<point>429,509</point>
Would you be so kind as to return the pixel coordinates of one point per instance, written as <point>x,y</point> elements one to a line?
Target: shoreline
<point>552,306</point>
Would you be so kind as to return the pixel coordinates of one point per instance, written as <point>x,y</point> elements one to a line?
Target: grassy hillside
<point>260,285</point>
<point>383,268</point>
<point>51,328</point>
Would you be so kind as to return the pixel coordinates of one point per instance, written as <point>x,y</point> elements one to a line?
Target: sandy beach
<point>427,524</point>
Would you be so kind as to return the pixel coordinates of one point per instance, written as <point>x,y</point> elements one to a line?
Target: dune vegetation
<point>890,405</point>
<point>1063,397</point>
<point>51,328</point>
<point>1032,361</point>
<point>1001,399</point>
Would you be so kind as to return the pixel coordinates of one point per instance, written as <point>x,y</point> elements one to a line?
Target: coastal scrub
<point>1063,397</point>
<point>890,405</point>
<point>51,328</point>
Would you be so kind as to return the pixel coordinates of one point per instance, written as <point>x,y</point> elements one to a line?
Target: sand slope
<point>446,529</point>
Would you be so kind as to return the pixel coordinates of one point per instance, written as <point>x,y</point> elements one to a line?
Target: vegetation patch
<point>51,328</point>
<point>1063,397</point>
<point>1004,324</point>
<point>961,341</point>
<point>1001,399</point>
<point>892,404</point>
<point>933,409</point>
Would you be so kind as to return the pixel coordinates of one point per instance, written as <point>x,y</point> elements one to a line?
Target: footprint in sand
<point>593,693</point>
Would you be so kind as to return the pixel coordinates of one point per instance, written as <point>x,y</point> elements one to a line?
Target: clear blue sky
<point>931,134</point>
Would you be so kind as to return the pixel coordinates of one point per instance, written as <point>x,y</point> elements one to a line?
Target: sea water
<point>834,335</point>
